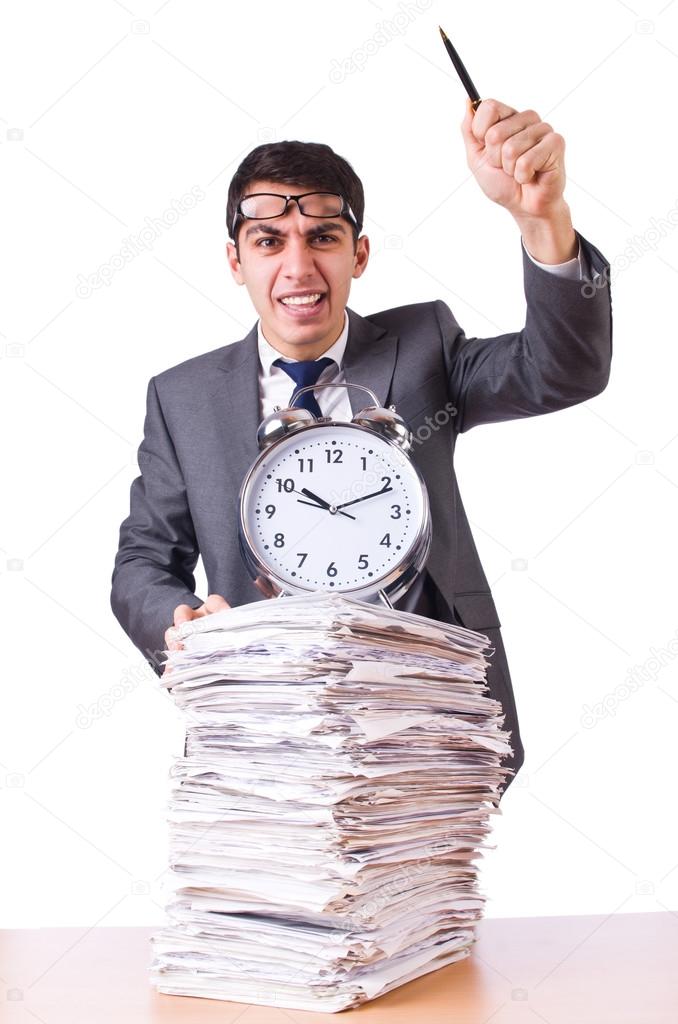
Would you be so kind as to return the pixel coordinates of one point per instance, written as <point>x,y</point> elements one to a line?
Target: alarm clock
<point>335,506</point>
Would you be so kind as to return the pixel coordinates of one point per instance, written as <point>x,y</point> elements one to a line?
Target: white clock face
<point>333,508</point>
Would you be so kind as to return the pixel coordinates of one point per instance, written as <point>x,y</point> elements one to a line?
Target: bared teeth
<point>302,300</point>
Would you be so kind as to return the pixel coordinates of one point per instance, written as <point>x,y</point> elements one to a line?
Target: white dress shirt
<point>276,387</point>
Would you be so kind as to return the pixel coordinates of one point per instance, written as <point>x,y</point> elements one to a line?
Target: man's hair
<point>312,165</point>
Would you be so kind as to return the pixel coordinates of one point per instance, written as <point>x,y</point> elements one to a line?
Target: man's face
<point>297,254</point>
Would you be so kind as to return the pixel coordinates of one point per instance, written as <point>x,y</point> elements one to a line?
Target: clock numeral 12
<point>334,454</point>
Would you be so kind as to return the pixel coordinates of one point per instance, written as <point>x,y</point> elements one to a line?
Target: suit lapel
<point>369,360</point>
<point>237,400</point>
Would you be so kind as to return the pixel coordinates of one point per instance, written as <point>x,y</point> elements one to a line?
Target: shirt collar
<point>267,353</point>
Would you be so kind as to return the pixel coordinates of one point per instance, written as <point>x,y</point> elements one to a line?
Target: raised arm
<point>562,355</point>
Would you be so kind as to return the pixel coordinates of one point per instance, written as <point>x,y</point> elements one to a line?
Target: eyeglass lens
<point>314,204</point>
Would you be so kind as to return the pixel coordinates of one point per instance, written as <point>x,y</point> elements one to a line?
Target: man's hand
<point>214,603</point>
<point>519,162</point>
<point>517,159</point>
<point>184,613</point>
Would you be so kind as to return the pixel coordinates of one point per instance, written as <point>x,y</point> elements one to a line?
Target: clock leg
<point>385,599</point>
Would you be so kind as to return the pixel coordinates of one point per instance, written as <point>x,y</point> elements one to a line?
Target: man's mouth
<point>303,305</point>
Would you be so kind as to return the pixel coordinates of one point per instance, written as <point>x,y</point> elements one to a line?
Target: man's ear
<point>234,263</point>
<point>362,255</point>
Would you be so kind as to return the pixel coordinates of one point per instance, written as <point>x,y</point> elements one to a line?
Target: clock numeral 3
<point>396,512</point>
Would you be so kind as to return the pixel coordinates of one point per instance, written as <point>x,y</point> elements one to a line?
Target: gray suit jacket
<point>200,439</point>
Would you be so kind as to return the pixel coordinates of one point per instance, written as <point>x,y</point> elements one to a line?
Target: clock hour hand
<point>384,490</point>
<point>315,497</point>
<point>318,502</point>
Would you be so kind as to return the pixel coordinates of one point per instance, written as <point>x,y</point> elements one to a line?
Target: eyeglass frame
<point>345,208</point>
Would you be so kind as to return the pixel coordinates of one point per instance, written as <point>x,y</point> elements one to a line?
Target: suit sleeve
<point>157,551</point>
<point>561,356</point>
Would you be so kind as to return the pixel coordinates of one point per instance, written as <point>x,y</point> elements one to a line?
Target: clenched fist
<point>517,159</point>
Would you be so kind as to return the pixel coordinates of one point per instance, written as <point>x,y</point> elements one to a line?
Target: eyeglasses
<point>265,205</point>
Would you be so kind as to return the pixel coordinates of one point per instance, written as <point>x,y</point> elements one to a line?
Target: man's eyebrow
<point>317,229</point>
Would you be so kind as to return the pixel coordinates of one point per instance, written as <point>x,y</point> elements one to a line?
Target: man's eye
<point>316,238</point>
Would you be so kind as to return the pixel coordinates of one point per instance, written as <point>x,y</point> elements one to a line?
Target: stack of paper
<point>342,763</point>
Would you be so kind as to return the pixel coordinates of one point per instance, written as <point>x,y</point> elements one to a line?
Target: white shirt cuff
<point>570,268</point>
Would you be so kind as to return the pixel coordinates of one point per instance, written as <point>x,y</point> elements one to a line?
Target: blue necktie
<point>303,372</point>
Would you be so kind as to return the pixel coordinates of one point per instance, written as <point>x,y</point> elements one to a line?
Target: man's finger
<point>473,147</point>
<point>265,586</point>
<point>521,143</point>
<point>514,132</point>
<point>547,155</point>
<point>183,613</point>
<point>488,113</point>
<point>171,641</point>
<point>214,603</point>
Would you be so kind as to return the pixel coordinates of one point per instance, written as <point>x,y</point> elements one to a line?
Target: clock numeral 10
<point>285,485</point>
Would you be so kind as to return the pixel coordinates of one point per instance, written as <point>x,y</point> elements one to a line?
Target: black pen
<point>462,72</point>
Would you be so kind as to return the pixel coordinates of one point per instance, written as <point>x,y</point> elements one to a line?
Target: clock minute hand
<point>384,490</point>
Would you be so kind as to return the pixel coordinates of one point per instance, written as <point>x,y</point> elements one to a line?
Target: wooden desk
<point>621,969</point>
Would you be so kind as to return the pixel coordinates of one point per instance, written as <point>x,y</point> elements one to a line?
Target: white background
<point>111,111</point>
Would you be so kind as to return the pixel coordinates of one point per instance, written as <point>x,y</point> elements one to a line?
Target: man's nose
<point>298,256</point>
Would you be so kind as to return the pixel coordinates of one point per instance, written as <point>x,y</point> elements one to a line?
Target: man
<point>295,213</point>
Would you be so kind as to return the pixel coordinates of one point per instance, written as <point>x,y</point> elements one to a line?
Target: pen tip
<point>442,33</point>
